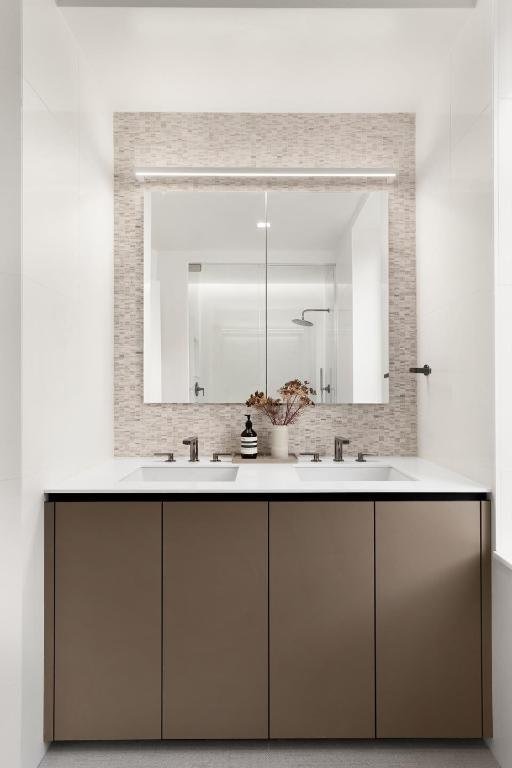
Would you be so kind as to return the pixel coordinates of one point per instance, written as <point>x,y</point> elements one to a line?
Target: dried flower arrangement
<point>284,410</point>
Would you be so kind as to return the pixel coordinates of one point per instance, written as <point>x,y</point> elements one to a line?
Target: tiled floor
<point>388,754</point>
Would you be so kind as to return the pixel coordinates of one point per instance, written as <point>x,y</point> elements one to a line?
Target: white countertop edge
<point>107,478</point>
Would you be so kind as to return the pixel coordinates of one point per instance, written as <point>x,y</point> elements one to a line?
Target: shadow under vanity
<point>253,616</point>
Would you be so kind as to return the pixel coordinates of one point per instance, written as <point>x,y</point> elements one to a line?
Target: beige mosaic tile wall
<point>195,139</point>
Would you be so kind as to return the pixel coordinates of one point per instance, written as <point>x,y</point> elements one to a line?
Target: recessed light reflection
<point>263,224</point>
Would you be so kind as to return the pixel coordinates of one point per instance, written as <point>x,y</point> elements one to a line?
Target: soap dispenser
<point>248,440</point>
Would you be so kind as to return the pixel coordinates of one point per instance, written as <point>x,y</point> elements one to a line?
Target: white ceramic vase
<point>279,441</point>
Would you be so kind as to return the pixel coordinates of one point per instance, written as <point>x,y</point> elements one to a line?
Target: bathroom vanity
<point>269,602</point>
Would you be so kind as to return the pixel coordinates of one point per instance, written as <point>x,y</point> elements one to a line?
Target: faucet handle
<point>169,454</point>
<point>361,456</point>
<point>216,456</point>
<point>316,456</point>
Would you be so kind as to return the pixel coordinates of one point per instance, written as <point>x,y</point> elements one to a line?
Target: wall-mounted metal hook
<point>426,370</point>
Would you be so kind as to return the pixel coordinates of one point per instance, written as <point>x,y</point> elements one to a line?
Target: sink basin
<point>181,474</point>
<point>342,474</point>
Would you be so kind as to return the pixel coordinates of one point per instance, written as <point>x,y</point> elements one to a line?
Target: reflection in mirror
<point>246,290</point>
<point>226,330</point>
<point>328,293</point>
<point>301,339</point>
<point>204,300</point>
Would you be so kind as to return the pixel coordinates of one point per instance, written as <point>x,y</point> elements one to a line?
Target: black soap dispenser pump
<point>248,440</point>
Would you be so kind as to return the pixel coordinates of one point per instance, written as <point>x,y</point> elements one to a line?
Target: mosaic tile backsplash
<point>268,140</point>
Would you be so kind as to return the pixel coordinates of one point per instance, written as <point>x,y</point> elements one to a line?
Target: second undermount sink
<point>344,473</point>
<point>167,473</point>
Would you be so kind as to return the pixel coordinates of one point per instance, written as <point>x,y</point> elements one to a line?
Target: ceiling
<point>227,221</point>
<point>263,60</point>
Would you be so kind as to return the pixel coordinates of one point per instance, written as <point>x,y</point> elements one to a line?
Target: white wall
<point>67,302</point>
<point>10,425</point>
<point>369,300</point>
<point>263,59</point>
<point>503,278</point>
<point>458,276</point>
<point>454,254</point>
<point>343,320</point>
<point>502,572</point>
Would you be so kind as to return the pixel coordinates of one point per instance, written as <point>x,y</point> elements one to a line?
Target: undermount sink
<point>342,474</point>
<point>180,474</point>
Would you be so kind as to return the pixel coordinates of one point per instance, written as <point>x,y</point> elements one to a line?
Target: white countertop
<point>253,477</point>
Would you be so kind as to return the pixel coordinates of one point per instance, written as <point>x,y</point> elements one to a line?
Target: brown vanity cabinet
<point>107,613</point>
<point>321,620</point>
<point>215,613</point>
<point>432,625</point>
<point>248,619</point>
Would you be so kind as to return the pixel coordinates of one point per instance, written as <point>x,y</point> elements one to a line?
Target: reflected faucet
<point>194,447</point>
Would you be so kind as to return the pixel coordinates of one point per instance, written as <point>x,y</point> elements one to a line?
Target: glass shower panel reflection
<point>301,329</point>
<point>226,331</point>
<point>327,255</point>
<point>204,295</point>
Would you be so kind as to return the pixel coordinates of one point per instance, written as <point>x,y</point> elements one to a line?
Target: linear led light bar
<point>266,173</point>
<point>269,3</point>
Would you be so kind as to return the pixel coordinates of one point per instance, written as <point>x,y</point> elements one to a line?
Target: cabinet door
<point>321,620</point>
<point>215,641</point>
<point>428,619</point>
<point>108,620</point>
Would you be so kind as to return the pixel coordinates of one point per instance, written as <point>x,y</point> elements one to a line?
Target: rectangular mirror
<point>247,290</point>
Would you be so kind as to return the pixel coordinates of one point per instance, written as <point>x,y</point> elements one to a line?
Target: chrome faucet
<point>339,442</point>
<point>194,447</point>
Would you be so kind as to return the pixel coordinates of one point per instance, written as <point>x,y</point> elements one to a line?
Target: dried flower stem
<point>295,394</point>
